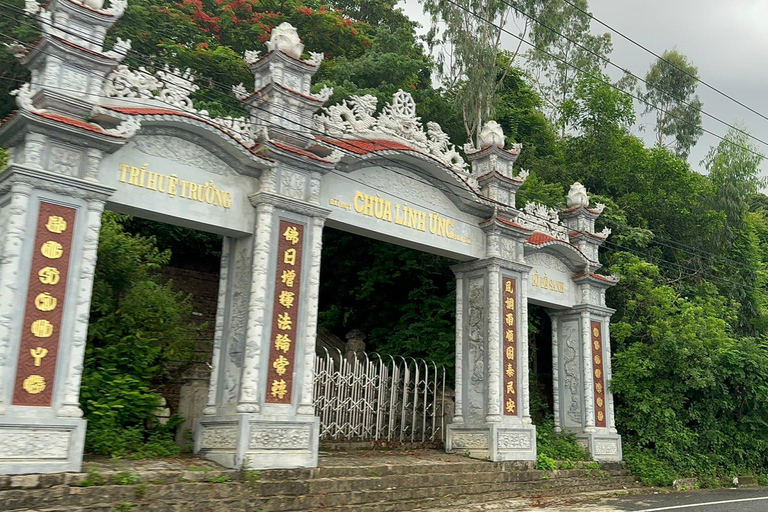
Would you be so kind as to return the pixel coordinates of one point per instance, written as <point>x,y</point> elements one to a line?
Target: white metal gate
<point>369,397</point>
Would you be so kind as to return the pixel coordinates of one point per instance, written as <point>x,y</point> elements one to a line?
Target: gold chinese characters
<point>285,312</point>
<point>509,329</point>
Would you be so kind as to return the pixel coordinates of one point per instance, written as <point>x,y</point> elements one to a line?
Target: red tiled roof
<point>541,238</point>
<point>77,123</point>
<point>149,111</point>
<point>596,276</point>
<point>298,151</point>
<point>593,235</point>
<point>510,223</point>
<point>86,50</point>
<point>364,146</point>
<point>574,208</point>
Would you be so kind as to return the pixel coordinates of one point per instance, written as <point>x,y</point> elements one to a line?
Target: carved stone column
<point>49,236</point>
<point>581,367</point>
<point>491,399</point>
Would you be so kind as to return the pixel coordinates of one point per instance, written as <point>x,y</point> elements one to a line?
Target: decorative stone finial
<point>93,4</point>
<point>285,39</point>
<point>577,196</point>
<point>491,135</point>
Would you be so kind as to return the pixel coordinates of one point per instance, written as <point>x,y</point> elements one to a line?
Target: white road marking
<point>677,507</point>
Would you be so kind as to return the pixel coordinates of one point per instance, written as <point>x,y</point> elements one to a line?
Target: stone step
<point>470,466</point>
<point>356,483</point>
<point>151,497</point>
<point>483,491</point>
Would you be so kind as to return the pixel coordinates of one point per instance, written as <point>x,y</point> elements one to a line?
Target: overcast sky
<point>727,41</point>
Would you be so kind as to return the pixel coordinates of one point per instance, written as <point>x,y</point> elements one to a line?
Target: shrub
<point>140,330</point>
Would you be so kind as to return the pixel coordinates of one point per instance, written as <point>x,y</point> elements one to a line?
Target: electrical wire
<point>662,59</point>
<point>630,73</point>
<point>408,176</point>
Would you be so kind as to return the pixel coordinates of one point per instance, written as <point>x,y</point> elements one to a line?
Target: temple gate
<point>91,133</point>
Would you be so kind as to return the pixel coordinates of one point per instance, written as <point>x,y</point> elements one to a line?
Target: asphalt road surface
<point>718,500</point>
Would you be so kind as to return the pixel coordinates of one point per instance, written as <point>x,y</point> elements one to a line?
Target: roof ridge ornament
<point>171,88</point>
<point>541,218</point>
<point>397,121</point>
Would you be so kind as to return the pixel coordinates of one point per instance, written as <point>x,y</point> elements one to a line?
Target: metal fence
<point>368,397</point>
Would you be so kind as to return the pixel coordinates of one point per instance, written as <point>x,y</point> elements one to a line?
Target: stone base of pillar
<point>602,446</point>
<point>256,441</point>
<point>495,442</point>
<point>41,445</point>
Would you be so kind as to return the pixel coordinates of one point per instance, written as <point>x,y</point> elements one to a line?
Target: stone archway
<point>269,183</point>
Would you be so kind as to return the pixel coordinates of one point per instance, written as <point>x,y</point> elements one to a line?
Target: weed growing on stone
<point>251,478</point>
<point>591,465</point>
<point>140,491</point>
<point>123,506</point>
<point>94,478</point>
<point>545,463</point>
<point>219,479</point>
<point>125,478</point>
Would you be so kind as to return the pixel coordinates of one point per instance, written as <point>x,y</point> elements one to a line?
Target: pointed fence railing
<point>369,397</point>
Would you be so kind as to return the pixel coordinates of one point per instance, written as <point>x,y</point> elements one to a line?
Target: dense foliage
<point>689,335</point>
<point>139,331</point>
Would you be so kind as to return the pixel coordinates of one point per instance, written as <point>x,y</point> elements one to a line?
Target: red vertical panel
<point>598,374</point>
<point>44,305</point>
<point>509,321</point>
<point>282,348</point>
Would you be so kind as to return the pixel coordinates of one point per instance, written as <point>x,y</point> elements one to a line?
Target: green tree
<point>139,335</point>
<point>670,92</point>
<point>470,34</point>
<point>563,49</point>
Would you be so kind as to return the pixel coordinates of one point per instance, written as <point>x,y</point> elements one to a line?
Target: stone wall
<point>187,396</point>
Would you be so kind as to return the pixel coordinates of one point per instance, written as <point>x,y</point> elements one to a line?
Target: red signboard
<point>44,306</point>
<point>509,334</point>
<point>285,318</point>
<point>598,374</point>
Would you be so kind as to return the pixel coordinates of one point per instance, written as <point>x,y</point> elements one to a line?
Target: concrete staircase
<point>360,481</point>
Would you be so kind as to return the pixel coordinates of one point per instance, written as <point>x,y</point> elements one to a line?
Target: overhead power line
<point>661,58</point>
<point>352,143</point>
<point>627,71</point>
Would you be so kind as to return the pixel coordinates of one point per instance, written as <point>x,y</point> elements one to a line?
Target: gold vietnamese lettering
<point>49,275</point>
<point>45,302</point>
<point>511,387</point>
<point>38,354</point>
<point>509,319</point>
<point>511,405</point>
<point>289,257</point>
<point>34,384</point>
<point>510,371</point>
<point>56,224</point>
<point>41,328</point>
<point>377,207</point>
<point>546,283</point>
<point>52,250</point>
<point>170,184</point>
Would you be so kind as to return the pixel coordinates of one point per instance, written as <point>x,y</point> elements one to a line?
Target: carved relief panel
<point>570,373</point>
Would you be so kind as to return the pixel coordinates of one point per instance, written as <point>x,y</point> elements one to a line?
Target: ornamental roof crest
<point>397,121</point>
<point>170,88</point>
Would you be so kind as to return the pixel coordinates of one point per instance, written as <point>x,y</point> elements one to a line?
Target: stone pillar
<point>583,402</point>
<point>49,241</point>
<point>491,420</point>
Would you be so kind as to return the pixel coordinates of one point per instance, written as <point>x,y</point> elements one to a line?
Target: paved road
<point>719,500</point>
